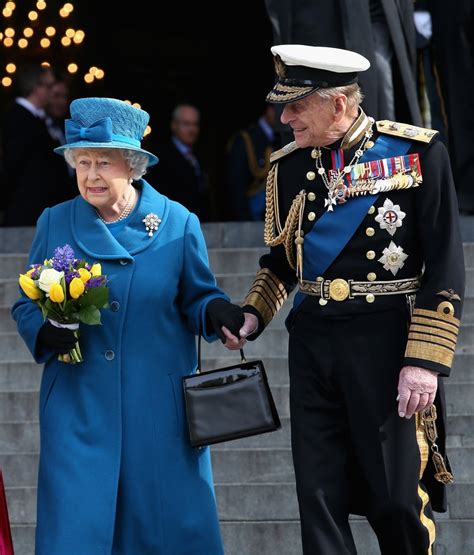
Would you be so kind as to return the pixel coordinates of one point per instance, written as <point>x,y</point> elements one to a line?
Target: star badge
<point>393,258</point>
<point>390,217</point>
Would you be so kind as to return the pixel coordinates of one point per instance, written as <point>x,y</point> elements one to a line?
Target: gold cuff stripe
<point>261,304</point>
<point>263,291</point>
<point>434,314</point>
<point>429,351</point>
<point>267,294</point>
<point>433,339</point>
<point>450,336</point>
<point>437,323</point>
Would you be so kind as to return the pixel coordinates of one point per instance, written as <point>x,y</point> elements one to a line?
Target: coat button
<point>370,255</point>
<point>310,176</point>
<point>371,210</point>
<point>370,232</point>
<point>311,196</point>
<point>109,355</point>
<point>371,276</point>
<point>114,306</point>
<point>314,153</point>
<point>311,216</point>
<point>370,298</point>
<point>124,262</point>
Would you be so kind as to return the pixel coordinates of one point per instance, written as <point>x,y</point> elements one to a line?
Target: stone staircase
<point>254,476</point>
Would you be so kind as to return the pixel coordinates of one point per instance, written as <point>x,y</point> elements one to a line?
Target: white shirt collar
<point>38,112</point>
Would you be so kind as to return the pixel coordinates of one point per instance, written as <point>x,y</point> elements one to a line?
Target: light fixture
<point>6,81</point>
<point>10,68</point>
<point>45,43</point>
<point>50,31</point>
<point>72,68</point>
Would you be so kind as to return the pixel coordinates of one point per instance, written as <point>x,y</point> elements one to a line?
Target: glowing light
<point>50,31</point>
<point>1,36</point>
<point>32,16</point>
<point>10,6</point>
<point>45,43</point>
<point>68,7</point>
<point>80,33</point>
<point>76,39</point>
<point>99,74</point>
<point>70,33</point>
<point>6,81</point>
<point>22,43</point>
<point>63,12</point>
<point>147,131</point>
<point>9,32</point>
<point>11,68</point>
<point>6,12</point>
<point>88,78</point>
<point>41,5</point>
<point>45,64</point>
<point>127,101</point>
<point>66,41</point>
<point>8,42</point>
<point>28,32</point>
<point>72,68</point>
<point>92,70</point>
<point>136,105</point>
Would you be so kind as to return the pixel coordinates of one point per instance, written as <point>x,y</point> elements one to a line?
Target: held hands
<point>416,390</point>
<point>58,340</point>
<point>230,323</point>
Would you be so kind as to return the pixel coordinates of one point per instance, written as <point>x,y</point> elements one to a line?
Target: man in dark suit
<point>179,174</point>
<point>248,162</point>
<point>34,175</point>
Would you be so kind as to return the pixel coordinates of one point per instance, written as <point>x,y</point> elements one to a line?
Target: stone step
<point>230,466</point>
<point>22,406</point>
<point>244,502</point>
<point>20,376</point>
<point>453,537</point>
<point>235,285</point>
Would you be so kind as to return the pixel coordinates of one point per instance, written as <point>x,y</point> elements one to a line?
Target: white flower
<point>48,277</point>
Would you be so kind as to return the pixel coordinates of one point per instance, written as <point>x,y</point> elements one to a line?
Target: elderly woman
<point>117,474</point>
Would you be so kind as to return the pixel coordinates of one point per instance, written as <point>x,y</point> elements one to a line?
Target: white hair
<point>351,92</point>
<point>137,161</point>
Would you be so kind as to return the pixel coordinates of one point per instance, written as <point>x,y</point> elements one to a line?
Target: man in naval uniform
<point>362,218</point>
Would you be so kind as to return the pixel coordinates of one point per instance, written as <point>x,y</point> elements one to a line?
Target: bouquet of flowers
<point>67,291</point>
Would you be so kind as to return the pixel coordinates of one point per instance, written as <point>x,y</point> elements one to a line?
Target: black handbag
<point>228,403</point>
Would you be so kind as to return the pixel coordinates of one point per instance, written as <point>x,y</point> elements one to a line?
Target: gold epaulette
<point>287,149</point>
<point>406,131</point>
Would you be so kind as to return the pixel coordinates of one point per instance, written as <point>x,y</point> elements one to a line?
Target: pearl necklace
<point>336,181</point>
<point>125,212</point>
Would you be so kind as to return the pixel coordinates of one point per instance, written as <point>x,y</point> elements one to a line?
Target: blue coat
<point>117,475</point>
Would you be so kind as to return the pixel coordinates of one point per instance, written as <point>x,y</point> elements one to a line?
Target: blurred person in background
<point>248,162</point>
<point>34,176</point>
<point>180,174</point>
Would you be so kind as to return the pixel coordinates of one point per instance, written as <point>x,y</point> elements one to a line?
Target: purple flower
<point>68,277</point>
<point>35,273</point>
<point>95,282</point>
<point>63,258</point>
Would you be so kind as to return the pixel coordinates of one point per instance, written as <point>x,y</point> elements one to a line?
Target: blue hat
<point>105,123</point>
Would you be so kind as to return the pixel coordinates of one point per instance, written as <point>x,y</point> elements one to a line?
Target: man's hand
<point>416,390</point>
<point>226,319</point>
<point>250,326</point>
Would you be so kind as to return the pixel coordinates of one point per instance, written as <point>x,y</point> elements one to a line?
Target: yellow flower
<point>84,274</point>
<point>96,269</point>
<point>76,288</point>
<point>29,272</point>
<point>29,287</point>
<point>56,293</point>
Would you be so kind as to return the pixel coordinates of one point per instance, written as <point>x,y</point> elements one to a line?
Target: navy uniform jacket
<point>429,235</point>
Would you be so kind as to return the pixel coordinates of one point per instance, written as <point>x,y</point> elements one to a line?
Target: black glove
<point>58,340</point>
<point>223,313</point>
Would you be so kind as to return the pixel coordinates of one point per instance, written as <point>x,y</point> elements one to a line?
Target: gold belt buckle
<point>339,289</point>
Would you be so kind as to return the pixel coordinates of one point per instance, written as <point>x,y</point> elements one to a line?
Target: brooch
<point>151,222</point>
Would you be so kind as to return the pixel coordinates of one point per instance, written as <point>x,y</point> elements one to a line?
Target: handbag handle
<point>199,365</point>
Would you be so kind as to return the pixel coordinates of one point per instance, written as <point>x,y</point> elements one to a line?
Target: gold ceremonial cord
<point>258,173</point>
<point>272,217</point>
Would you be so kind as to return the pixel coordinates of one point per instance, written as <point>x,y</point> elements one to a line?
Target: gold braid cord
<point>428,423</point>
<point>272,217</point>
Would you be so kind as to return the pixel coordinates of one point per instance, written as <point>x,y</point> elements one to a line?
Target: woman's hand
<point>250,326</point>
